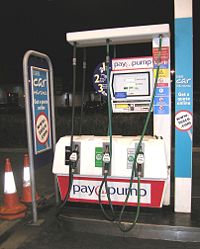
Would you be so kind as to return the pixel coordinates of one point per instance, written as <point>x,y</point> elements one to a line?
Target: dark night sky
<point>42,25</point>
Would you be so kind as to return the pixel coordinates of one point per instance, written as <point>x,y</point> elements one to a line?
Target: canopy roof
<point>126,35</point>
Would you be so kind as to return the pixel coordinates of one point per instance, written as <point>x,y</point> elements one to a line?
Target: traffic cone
<point>26,193</point>
<point>12,208</point>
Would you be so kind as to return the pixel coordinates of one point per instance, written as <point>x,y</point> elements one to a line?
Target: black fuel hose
<point>71,169</point>
<point>62,205</point>
<point>83,90</point>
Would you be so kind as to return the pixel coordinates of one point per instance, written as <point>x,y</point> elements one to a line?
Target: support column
<point>183,105</point>
<point>162,104</point>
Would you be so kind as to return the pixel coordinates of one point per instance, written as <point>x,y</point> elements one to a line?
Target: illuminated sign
<point>41,109</point>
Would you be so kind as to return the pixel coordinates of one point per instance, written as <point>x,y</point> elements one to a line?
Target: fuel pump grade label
<point>98,157</point>
<point>130,157</point>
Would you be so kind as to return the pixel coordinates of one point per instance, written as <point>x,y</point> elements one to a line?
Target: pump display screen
<point>131,84</point>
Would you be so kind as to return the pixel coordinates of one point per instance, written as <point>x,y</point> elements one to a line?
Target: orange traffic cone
<point>12,208</point>
<point>26,193</point>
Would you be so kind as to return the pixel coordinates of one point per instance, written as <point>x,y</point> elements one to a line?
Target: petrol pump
<point>115,169</point>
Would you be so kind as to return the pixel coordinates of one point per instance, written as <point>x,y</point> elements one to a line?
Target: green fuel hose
<point>123,226</point>
<point>104,181</point>
<point>109,99</point>
<point>108,217</point>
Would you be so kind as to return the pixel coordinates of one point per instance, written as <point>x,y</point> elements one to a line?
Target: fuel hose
<point>71,165</point>
<point>83,90</point>
<point>108,164</point>
<point>126,227</point>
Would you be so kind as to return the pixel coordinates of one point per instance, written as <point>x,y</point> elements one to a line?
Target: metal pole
<point>115,51</point>
<point>83,90</point>
<point>73,95</point>
<point>29,133</point>
<point>53,124</point>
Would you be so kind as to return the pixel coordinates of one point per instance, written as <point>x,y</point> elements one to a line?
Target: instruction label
<point>100,79</point>
<point>164,57</point>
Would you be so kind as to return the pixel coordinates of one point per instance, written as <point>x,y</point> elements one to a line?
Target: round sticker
<point>42,128</point>
<point>99,156</point>
<point>183,120</point>
<point>130,158</point>
<point>100,79</point>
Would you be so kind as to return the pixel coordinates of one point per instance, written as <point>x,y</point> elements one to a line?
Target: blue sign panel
<point>164,101</point>
<point>161,109</point>
<point>100,79</point>
<point>161,101</point>
<point>120,95</point>
<point>41,109</point>
<point>183,97</point>
<point>162,66</point>
<point>162,91</point>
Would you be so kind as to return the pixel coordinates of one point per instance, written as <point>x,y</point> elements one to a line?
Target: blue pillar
<point>183,105</point>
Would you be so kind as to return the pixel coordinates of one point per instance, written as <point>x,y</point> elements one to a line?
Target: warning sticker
<point>161,109</point>
<point>164,54</point>
<point>164,101</point>
<point>163,73</point>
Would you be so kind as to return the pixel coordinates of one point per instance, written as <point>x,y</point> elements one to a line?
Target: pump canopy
<point>126,35</point>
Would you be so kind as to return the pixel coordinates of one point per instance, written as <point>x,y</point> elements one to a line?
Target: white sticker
<point>183,120</point>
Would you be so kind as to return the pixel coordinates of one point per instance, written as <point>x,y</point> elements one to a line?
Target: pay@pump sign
<point>41,109</point>
<point>132,63</point>
<point>84,189</point>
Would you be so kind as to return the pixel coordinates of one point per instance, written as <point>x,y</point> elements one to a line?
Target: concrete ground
<point>76,231</point>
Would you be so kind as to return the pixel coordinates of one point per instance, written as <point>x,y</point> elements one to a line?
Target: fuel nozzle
<point>106,160</point>
<point>140,164</point>
<point>74,157</point>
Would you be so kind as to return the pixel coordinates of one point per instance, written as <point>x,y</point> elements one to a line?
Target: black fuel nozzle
<point>140,164</point>
<point>74,157</point>
<point>68,151</point>
<point>106,160</point>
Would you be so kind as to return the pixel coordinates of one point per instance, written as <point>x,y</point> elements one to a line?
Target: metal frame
<point>29,125</point>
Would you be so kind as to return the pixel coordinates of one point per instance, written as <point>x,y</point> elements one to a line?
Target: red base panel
<point>86,190</point>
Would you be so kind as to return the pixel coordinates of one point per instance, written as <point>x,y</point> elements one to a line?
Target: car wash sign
<point>41,109</point>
